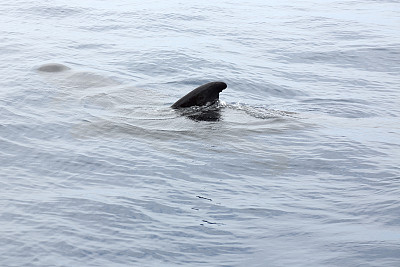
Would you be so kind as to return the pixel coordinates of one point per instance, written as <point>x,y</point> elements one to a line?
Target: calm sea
<point>301,168</point>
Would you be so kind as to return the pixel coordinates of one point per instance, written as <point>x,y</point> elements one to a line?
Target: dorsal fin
<point>207,93</point>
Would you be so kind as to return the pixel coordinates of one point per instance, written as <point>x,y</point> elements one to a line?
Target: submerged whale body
<point>199,104</point>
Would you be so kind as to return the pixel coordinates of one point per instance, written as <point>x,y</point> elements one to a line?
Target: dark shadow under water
<point>203,113</point>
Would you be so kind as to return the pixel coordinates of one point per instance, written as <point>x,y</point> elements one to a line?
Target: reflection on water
<point>205,113</point>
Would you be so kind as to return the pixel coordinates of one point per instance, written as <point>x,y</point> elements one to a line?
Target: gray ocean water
<point>300,169</point>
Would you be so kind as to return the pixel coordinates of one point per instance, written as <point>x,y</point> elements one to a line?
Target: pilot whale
<point>204,95</point>
<point>207,94</point>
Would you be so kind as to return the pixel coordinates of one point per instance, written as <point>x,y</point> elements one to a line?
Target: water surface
<point>301,169</point>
